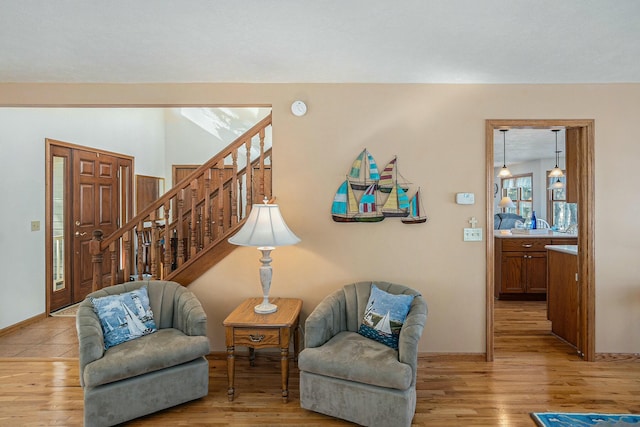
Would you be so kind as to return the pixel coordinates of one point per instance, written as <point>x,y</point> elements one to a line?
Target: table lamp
<point>506,202</point>
<point>265,229</point>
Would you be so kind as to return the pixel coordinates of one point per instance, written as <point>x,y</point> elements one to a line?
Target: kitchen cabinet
<point>520,266</point>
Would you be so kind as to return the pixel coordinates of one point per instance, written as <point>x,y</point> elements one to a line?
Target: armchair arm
<point>188,314</point>
<point>326,320</point>
<point>90,337</point>
<point>411,333</point>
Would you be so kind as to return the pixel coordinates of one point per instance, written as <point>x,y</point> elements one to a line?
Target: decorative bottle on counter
<point>534,221</point>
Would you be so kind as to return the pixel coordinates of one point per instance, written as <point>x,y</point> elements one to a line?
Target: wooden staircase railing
<point>185,231</point>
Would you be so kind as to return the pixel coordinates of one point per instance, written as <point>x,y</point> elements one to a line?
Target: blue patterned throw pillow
<point>384,316</point>
<point>125,316</point>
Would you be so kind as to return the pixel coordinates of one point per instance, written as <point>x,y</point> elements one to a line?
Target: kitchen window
<point>519,189</point>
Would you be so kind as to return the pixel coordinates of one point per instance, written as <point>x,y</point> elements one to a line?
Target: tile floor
<point>51,337</point>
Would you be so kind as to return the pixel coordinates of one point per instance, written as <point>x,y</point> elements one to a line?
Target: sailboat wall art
<point>366,195</point>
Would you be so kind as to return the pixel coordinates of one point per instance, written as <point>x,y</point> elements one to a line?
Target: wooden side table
<point>244,327</point>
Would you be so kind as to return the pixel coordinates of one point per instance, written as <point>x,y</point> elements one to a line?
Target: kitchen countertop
<point>537,235</point>
<point>567,249</point>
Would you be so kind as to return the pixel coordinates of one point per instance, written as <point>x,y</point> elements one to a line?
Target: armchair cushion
<point>124,317</point>
<point>352,357</point>
<point>384,316</point>
<point>165,348</point>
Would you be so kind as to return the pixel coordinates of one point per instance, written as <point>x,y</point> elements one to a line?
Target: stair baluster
<point>126,240</point>
<point>114,264</point>
<point>221,222</point>
<point>207,207</point>
<point>153,245</point>
<point>168,253</point>
<point>194,219</point>
<point>234,188</point>
<point>141,251</point>
<point>96,259</point>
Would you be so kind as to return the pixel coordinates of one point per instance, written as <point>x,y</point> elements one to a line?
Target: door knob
<point>78,234</point>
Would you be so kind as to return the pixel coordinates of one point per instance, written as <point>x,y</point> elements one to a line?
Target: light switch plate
<point>35,225</point>
<point>473,234</point>
<point>465,198</point>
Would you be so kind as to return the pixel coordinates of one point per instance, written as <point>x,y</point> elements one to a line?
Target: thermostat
<point>465,198</point>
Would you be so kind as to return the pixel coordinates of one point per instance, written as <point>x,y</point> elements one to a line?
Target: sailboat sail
<point>368,210</point>
<point>384,325</point>
<point>389,177</point>
<point>357,165</point>
<point>345,207</point>
<point>397,203</point>
<point>364,171</point>
<point>368,200</point>
<point>416,215</point>
<point>135,325</point>
<point>368,313</point>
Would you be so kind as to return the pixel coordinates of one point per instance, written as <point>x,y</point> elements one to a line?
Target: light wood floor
<point>533,372</point>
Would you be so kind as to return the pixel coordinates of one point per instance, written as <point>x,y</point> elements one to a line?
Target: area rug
<point>67,311</point>
<point>565,419</point>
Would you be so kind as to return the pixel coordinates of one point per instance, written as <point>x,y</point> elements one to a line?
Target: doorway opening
<point>580,133</point>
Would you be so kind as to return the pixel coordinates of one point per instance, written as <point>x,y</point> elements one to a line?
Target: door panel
<point>513,272</point>
<point>537,272</point>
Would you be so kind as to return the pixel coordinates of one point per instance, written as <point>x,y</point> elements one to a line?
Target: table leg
<point>284,362</point>
<point>296,342</point>
<point>230,372</point>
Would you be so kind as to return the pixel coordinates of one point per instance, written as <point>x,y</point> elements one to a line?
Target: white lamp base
<point>265,308</point>
<point>265,280</point>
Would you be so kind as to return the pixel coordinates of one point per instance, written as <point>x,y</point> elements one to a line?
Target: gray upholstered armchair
<point>150,373</point>
<point>349,376</point>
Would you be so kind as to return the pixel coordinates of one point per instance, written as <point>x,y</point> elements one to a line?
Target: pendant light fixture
<point>504,172</point>
<point>557,185</point>
<point>556,172</point>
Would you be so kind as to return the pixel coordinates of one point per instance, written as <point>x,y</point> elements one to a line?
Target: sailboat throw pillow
<point>384,316</point>
<point>125,316</point>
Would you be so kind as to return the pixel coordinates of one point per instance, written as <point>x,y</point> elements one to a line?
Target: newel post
<point>96,259</point>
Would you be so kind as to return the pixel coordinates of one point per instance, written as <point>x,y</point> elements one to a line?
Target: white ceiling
<point>408,41</point>
<point>525,145</point>
<point>326,41</point>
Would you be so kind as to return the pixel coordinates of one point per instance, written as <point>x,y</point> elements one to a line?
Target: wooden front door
<point>95,207</point>
<point>88,190</point>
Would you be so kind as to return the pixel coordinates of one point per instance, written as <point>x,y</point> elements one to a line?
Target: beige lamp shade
<point>506,202</point>
<point>264,227</point>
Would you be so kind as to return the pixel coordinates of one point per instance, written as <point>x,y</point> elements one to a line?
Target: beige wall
<point>437,132</point>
